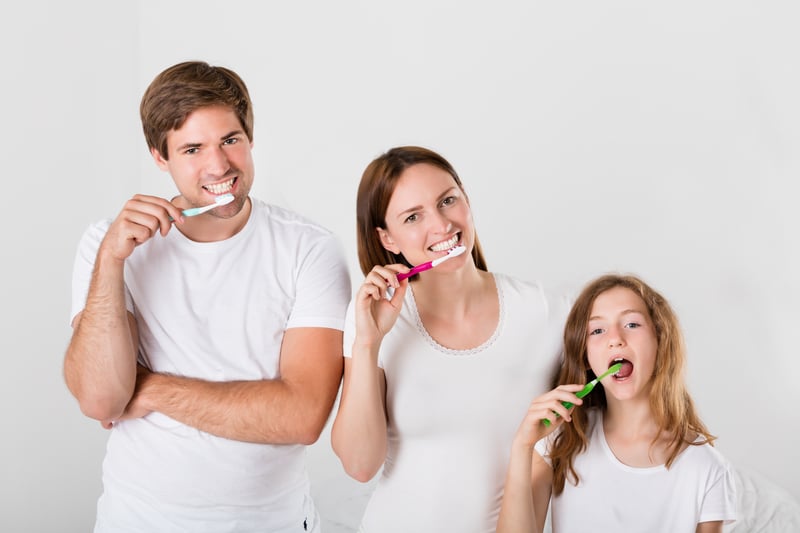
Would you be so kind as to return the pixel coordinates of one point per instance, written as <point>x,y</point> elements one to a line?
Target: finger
<point>399,293</point>
<point>159,208</point>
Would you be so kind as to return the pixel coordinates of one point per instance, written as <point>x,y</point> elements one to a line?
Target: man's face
<point>210,155</point>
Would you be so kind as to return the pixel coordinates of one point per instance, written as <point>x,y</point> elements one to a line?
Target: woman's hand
<point>375,313</point>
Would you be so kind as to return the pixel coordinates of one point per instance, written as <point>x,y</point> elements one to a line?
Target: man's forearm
<point>264,411</point>
<point>100,362</point>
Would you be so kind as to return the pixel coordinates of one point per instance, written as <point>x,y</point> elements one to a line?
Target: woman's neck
<point>459,310</point>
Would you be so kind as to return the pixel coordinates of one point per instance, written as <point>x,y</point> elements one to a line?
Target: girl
<point>438,369</point>
<point>634,456</point>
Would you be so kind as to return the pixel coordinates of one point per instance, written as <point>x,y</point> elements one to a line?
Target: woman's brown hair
<point>670,402</point>
<point>375,191</point>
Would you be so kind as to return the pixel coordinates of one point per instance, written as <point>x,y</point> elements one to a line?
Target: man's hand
<point>140,219</point>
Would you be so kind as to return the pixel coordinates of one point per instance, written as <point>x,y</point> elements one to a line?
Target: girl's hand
<point>375,313</point>
<point>532,429</point>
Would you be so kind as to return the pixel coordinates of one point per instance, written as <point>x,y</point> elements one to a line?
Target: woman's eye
<point>411,218</point>
<point>449,200</point>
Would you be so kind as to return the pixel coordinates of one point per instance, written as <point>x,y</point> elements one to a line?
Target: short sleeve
<point>323,286</point>
<point>719,502</point>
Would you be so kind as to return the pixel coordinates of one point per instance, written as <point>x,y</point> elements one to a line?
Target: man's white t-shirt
<point>216,311</point>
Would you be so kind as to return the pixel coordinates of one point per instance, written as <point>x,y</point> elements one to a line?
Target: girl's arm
<point>527,492</point>
<point>710,527</point>
<point>529,480</point>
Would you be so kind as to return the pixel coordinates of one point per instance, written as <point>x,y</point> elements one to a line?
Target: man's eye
<point>232,140</point>
<point>190,151</point>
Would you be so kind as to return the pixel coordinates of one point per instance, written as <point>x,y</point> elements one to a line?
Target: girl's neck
<point>629,418</point>
<point>633,435</point>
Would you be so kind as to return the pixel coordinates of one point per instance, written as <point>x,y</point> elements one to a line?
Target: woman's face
<point>428,214</point>
<point>620,330</point>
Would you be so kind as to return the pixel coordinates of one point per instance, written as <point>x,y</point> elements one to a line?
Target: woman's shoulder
<point>530,292</point>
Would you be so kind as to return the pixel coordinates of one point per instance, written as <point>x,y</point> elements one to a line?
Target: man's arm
<point>100,361</point>
<point>291,409</point>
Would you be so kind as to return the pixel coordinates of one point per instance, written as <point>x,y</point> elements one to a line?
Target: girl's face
<point>620,330</point>
<point>428,214</point>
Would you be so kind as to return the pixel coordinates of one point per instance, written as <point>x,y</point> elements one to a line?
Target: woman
<point>441,368</point>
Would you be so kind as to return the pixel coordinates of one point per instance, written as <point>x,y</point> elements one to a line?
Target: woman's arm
<point>358,436</point>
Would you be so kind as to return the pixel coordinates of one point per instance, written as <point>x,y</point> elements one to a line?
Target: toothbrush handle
<point>416,270</point>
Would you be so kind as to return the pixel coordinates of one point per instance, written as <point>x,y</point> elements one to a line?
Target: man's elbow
<point>101,409</point>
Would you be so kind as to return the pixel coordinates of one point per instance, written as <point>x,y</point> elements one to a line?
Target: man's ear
<point>159,159</point>
<point>387,242</point>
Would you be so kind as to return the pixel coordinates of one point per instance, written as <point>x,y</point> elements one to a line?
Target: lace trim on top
<point>470,351</point>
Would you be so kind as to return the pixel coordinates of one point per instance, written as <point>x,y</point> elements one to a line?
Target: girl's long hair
<point>670,403</point>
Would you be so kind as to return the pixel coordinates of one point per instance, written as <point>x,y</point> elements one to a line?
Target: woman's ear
<point>387,242</point>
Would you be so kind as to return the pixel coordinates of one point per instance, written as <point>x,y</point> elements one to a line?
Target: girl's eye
<point>596,331</point>
<point>632,325</point>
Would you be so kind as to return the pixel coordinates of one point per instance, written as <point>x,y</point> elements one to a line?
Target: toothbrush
<point>222,199</point>
<point>458,250</point>
<point>613,369</point>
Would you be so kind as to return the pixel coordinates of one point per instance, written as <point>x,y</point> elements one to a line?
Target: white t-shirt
<point>452,414</point>
<point>216,311</point>
<point>612,496</point>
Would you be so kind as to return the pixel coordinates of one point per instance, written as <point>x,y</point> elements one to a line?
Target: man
<point>210,345</point>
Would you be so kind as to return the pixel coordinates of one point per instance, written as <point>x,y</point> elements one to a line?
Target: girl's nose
<point>615,337</point>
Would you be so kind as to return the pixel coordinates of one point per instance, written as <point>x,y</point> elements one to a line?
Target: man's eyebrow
<point>227,136</point>
<point>231,134</point>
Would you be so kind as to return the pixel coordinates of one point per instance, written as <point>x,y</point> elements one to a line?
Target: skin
<point>456,301</point>
<point>619,326</point>
<point>209,150</point>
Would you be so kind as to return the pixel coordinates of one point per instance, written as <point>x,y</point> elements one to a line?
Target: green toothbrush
<point>613,369</point>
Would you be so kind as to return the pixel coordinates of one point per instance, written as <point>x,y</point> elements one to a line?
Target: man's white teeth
<point>445,245</point>
<point>220,188</point>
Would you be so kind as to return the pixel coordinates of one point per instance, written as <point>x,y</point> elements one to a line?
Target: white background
<point>662,140</point>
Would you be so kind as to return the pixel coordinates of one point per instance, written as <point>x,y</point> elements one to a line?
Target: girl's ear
<point>387,241</point>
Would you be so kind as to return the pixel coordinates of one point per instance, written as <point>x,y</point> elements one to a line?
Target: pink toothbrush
<point>458,250</point>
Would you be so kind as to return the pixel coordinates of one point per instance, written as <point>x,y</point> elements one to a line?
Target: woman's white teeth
<point>220,188</point>
<point>445,245</point>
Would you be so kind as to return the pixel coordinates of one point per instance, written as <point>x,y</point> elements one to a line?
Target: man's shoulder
<point>286,219</point>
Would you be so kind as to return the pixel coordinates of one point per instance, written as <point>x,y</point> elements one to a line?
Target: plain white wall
<point>591,136</point>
